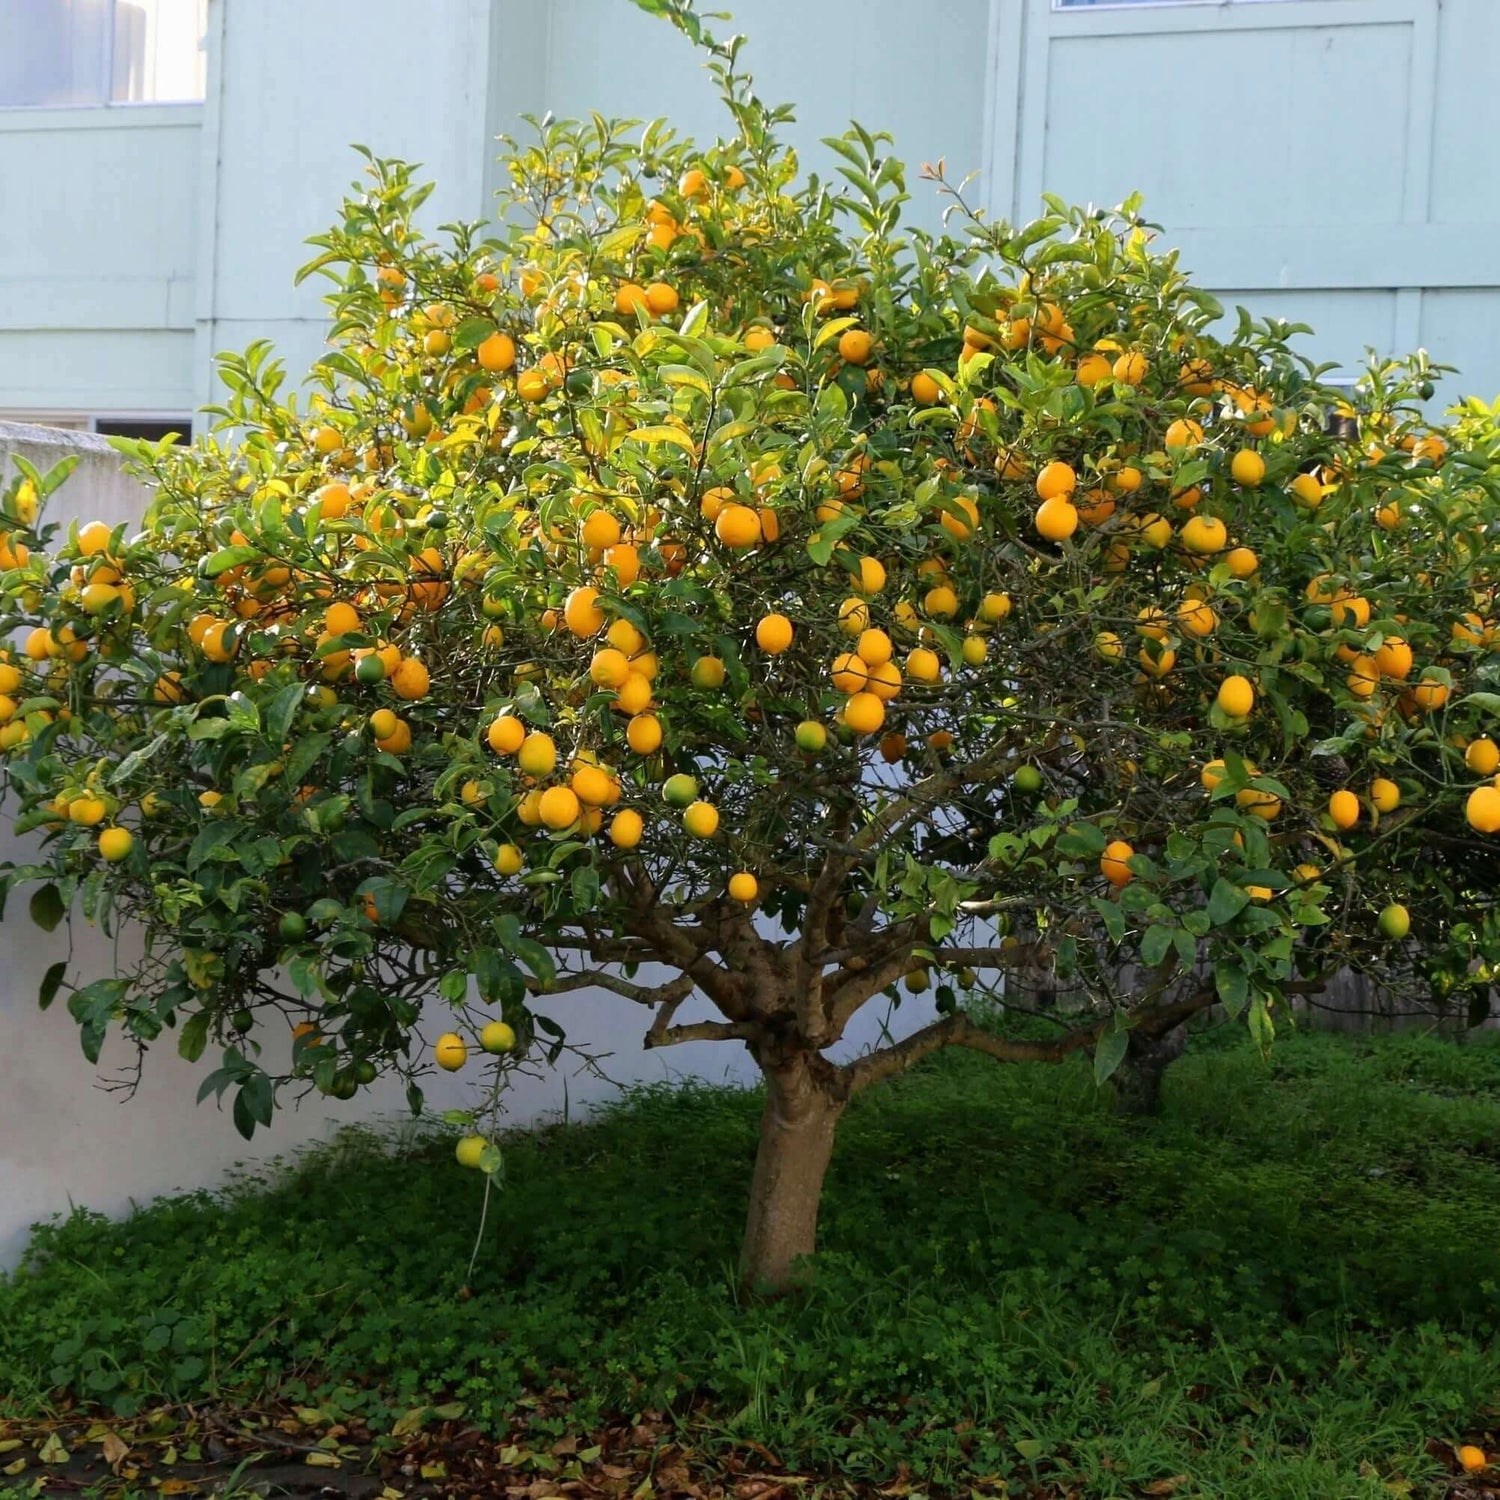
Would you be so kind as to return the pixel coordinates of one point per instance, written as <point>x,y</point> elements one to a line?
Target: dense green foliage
<point>1218,1295</point>
<point>700,543</point>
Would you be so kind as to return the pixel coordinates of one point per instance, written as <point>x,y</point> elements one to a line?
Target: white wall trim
<point>205,299</point>
<point>1004,84</point>
<point>1149,20</point>
<point>23,118</point>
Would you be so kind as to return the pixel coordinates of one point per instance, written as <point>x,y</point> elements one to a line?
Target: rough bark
<point>1139,1078</point>
<point>796,1141</point>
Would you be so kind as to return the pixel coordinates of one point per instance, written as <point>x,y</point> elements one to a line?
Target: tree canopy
<point>706,569</point>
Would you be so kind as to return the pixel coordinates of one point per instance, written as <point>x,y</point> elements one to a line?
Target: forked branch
<point>958,1030</point>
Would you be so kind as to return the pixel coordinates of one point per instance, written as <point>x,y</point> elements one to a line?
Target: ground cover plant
<point>1287,1286</point>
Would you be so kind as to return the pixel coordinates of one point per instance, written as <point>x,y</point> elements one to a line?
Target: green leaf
<point>47,908</point>
<point>484,964</point>
<point>680,375</point>
<point>1156,944</point>
<point>1113,918</point>
<point>1109,1053</point>
<point>537,959</point>
<point>229,557</point>
<point>1226,902</point>
<point>51,983</point>
<point>1262,1028</point>
<point>93,1007</point>
<point>1233,985</point>
<point>213,841</point>
<point>472,332</point>
<point>351,844</point>
<point>304,754</point>
<point>1187,946</point>
<point>263,855</point>
<point>585,888</point>
<point>1081,840</point>
<point>243,713</point>
<point>389,897</point>
<point>661,434</point>
<point>193,1038</point>
<point>283,710</point>
<point>260,1097</point>
<point>55,476</point>
<point>137,758</point>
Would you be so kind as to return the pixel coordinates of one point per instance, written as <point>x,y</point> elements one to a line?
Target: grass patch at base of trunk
<point>1283,1287</point>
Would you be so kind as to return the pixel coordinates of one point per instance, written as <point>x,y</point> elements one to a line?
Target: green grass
<point>1281,1288</point>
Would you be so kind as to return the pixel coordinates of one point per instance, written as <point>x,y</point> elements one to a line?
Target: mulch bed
<point>301,1451</point>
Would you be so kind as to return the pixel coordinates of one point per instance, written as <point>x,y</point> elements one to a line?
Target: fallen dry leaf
<point>1166,1486</point>
<point>114,1448</point>
<point>52,1451</point>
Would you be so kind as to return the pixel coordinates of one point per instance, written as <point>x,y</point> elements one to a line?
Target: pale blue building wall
<point>1323,160</point>
<point>99,216</point>
<point>1326,160</point>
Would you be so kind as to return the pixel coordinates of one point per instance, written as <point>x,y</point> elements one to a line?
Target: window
<point>62,53</point>
<point>153,429</point>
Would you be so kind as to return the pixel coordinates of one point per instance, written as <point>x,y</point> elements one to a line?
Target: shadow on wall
<point>69,1135</point>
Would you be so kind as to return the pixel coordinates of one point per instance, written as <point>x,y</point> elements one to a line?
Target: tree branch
<point>958,1030</point>
<point>855,985</point>
<point>929,793</point>
<point>701,1031</point>
<point>675,990</point>
<point>812,1018</point>
<point>685,951</point>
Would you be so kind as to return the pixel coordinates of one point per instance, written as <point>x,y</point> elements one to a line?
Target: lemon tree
<point>711,590</point>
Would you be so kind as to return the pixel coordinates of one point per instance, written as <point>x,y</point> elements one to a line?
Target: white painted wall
<point>1313,159</point>
<point>66,1139</point>
<point>99,213</point>
<point>918,75</point>
<point>291,86</point>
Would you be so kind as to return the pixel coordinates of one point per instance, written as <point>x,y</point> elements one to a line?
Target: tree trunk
<point>796,1141</point>
<point>1138,1079</point>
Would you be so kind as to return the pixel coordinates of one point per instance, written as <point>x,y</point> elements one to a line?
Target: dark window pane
<point>155,430</point>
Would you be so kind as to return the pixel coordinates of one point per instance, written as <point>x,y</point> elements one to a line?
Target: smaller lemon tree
<point>712,591</point>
